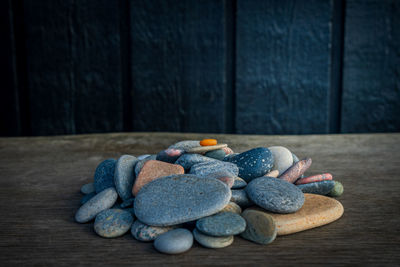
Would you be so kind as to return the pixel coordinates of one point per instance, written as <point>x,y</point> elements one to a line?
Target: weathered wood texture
<point>41,177</point>
<point>283,66</point>
<point>371,73</point>
<point>178,65</point>
<point>74,66</point>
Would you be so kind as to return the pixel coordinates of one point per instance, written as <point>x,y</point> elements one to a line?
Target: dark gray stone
<point>124,176</point>
<point>221,224</point>
<point>320,188</point>
<point>188,160</point>
<point>104,175</point>
<point>218,154</point>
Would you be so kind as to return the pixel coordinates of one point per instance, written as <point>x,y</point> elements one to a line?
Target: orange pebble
<point>208,142</point>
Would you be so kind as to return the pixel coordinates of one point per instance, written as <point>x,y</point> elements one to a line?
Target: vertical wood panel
<point>178,65</point>
<point>371,78</point>
<point>73,59</point>
<point>283,66</point>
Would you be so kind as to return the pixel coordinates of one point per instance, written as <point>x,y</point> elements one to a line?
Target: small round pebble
<point>240,197</point>
<point>212,241</point>
<point>86,198</point>
<point>88,188</point>
<point>275,195</point>
<point>113,223</point>
<point>221,224</point>
<point>239,183</point>
<point>260,227</point>
<point>143,232</point>
<point>216,154</point>
<point>174,242</point>
<point>104,175</point>
<point>102,201</point>
<point>337,190</point>
<point>232,207</point>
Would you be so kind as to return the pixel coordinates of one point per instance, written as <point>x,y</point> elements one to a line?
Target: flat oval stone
<point>283,158</point>
<point>232,207</point>
<point>102,201</point>
<point>180,198</point>
<point>240,197</point>
<point>206,168</point>
<point>188,160</point>
<point>88,188</point>
<point>124,176</point>
<point>218,154</point>
<point>174,242</point>
<point>296,171</point>
<point>186,145</point>
<point>260,227</point>
<point>104,175</point>
<point>143,232</point>
<point>170,155</point>
<point>154,169</point>
<point>204,149</point>
<point>140,163</point>
<point>337,190</point>
<point>253,163</point>
<point>314,178</point>
<point>239,183</point>
<point>212,241</point>
<point>86,198</point>
<point>221,224</point>
<point>320,188</point>
<point>317,211</point>
<point>275,195</point>
<point>112,223</point>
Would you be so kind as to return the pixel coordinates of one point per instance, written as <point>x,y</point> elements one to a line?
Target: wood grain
<point>371,72</point>
<point>41,177</point>
<point>283,66</point>
<point>178,65</point>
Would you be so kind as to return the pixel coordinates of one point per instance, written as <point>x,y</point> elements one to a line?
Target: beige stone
<point>274,173</point>
<point>203,149</point>
<point>232,207</point>
<point>317,211</point>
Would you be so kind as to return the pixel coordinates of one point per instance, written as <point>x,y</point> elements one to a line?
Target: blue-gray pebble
<point>104,175</point>
<point>124,176</point>
<point>239,183</point>
<point>102,201</point>
<point>186,145</point>
<point>113,223</point>
<point>88,188</point>
<point>174,242</point>
<point>218,154</point>
<point>320,188</point>
<point>240,197</point>
<point>86,198</point>
<point>182,198</point>
<point>253,163</point>
<point>205,168</point>
<point>188,160</point>
<point>212,241</point>
<point>222,224</point>
<point>275,195</point>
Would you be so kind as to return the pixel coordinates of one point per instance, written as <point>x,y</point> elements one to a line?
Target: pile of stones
<point>196,190</point>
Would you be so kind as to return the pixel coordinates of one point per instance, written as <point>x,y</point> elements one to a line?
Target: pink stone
<point>228,150</point>
<point>315,178</point>
<point>294,172</point>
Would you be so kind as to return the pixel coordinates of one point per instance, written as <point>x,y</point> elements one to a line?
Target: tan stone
<point>152,170</point>
<point>317,211</point>
<point>203,149</point>
<point>232,207</point>
<point>274,173</point>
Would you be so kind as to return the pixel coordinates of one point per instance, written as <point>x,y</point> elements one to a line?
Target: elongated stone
<point>104,175</point>
<point>314,178</point>
<point>188,160</point>
<point>180,198</point>
<point>124,176</point>
<point>204,149</point>
<point>294,172</point>
<point>320,188</point>
<point>212,241</point>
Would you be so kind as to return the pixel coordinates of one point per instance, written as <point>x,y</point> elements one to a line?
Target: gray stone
<point>174,242</point>
<point>283,158</point>
<point>319,188</point>
<point>204,149</point>
<point>86,198</point>
<point>102,201</point>
<point>239,183</point>
<point>212,241</point>
<point>182,198</point>
<point>240,197</point>
<point>275,195</point>
<point>221,224</point>
<point>295,158</point>
<point>205,168</point>
<point>186,145</point>
<point>113,223</point>
<point>188,160</point>
<point>260,227</point>
<point>104,175</point>
<point>123,176</point>
<point>88,188</point>
<point>218,154</point>
<point>143,232</point>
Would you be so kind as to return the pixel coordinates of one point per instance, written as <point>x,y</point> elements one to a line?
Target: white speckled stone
<point>174,242</point>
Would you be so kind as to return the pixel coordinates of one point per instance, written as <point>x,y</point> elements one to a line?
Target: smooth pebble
<point>240,197</point>
<point>232,207</point>
<point>283,158</point>
<point>218,154</point>
<point>86,198</point>
<point>239,183</point>
<point>337,190</point>
<point>205,168</point>
<point>212,241</point>
<point>260,227</point>
<point>143,232</point>
<point>221,224</point>
<point>188,160</point>
<point>104,175</point>
<point>124,176</point>
<point>174,242</point>
<point>113,223</point>
<point>320,188</point>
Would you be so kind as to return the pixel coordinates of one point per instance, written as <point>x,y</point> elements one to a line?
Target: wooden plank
<point>178,65</point>
<point>74,66</point>
<point>39,194</point>
<point>371,78</point>
<point>283,66</point>
<point>9,104</point>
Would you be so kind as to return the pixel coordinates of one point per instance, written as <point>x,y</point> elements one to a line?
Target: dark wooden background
<point>254,66</point>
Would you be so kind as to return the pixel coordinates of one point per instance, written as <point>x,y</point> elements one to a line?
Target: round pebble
<point>275,195</point>
<point>143,232</point>
<point>88,188</point>
<point>283,158</point>
<point>232,207</point>
<point>240,197</point>
<point>102,201</point>
<point>104,175</point>
<point>260,227</point>
<point>319,188</point>
<point>218,154</point>
<point>221,224</point>
<point>212,241</point>
<point>182,198</point>
<point>337,190</point>
<point>174,242</point>
<point>208,142</point>
<point>239,183</point>
<point>123,176</point>
<point>113,223</point>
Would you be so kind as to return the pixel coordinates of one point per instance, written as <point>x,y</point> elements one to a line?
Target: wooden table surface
<point>41,178</point>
